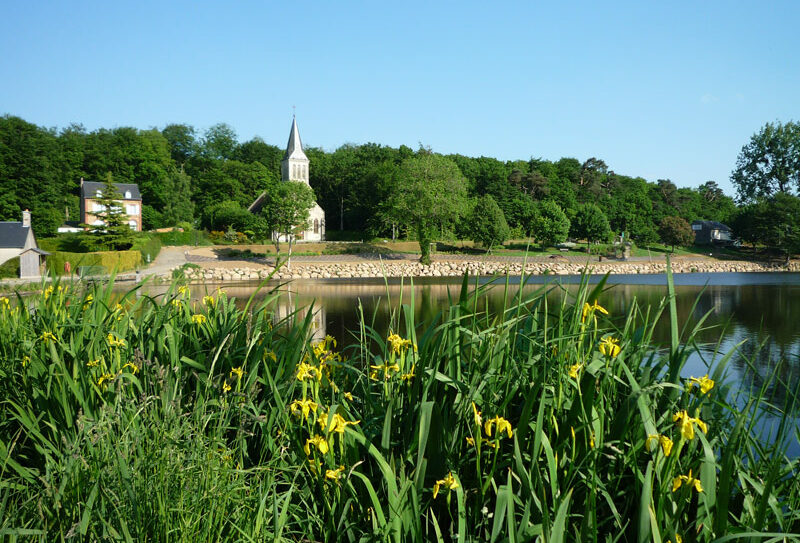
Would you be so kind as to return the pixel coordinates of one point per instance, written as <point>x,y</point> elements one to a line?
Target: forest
<point>208,179</point>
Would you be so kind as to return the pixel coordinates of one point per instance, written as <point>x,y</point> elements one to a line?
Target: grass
<point>182,418</point>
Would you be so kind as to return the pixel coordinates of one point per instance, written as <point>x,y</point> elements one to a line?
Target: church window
<point>316,226</point>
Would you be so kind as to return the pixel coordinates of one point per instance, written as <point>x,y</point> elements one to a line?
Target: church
<point>294,168</point>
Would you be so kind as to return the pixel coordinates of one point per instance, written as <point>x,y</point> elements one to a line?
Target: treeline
<point>210,179</point>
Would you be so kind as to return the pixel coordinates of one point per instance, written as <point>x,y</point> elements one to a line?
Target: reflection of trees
<point>771,366</point>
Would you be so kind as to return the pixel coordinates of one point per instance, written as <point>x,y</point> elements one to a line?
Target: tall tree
<point>428,192</point>
<point>591,224</point>
<point>675,231</point>
<point>113,232</point>
<point>550,225</point>
<point>285,211</point>
<point>769,163</point>
<point>488,224</point>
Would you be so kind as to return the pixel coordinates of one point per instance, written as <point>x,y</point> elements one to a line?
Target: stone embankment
<point>361,270</point>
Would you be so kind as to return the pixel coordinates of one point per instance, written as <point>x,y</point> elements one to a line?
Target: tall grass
<point>141,418</point>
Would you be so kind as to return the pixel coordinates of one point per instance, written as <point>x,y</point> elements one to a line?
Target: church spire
<point>294,166</point>
<point>294,149</point>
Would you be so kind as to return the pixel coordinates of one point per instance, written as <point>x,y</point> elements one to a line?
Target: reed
<point>137,418</point>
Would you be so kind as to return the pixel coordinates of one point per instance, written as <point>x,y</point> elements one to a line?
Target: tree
<point>675,231</point>
<point>113,232</point>
<point>591,224</point>
<point>550,225</point>
<point>286,211</point>
<point>429,191</point>
<point>769,163</point>
<point>488,224</point>
<point>219,142</point>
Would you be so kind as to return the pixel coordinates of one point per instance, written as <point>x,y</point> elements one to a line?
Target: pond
<point>760,311</point>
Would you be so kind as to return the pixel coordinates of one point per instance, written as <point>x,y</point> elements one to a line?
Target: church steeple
<point>294,166</point>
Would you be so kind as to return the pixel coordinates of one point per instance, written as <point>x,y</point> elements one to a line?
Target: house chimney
<point>26,219</point>
<point>81,181</point>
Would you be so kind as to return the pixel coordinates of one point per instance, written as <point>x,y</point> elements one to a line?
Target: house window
<point>316,226</point>
<point>99,193</point>
<point>99,208</point>
<point>132,224</point>
<point>132,209</point>
<point>128,195</point>
<point>98,222</point>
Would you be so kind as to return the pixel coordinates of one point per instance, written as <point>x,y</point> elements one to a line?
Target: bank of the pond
<point>233,272</point>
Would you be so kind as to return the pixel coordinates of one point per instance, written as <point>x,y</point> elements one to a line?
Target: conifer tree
<point>114,233</point>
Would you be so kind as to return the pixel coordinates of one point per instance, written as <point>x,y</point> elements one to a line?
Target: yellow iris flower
<point>687,424</point>
<point>448,482</point>
<point>209,301</point>
<point>385,368</point>
<point>609,346</point>
<point>303,408</point>
<point>134,368</point>
<point>337,423</point>
<point>114,342</point>
<point>334,474</point>
<point>398,344</point>
<point>319,442</point>
<point>226,387</point>
<point>198,318</point>
<point>48,336</point>
<point>502,426</point>
<point>476,415</point>
<point>592,309</point>
<point>238,372</point>
<point>665,442</point>
<point>689,480</point>
<point>574,369</point>
<point>307,371</point>
<point>703,382</point>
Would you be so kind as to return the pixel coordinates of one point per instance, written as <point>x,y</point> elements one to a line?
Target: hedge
<point>147,246</point>
<point>109,260</point>
<point>188,237</point>
<point>10,268</point>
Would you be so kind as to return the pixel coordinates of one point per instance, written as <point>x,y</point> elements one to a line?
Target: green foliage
<point>187,237</point>
<point>285,212</point>
<point>550,225</point>
<point>427,194</point>
<point>487,223</point>
<point>591,224</point>
<point>113,233</point>
<point>107,260</point>
<point>771,222</point>
<point>675,231</point>
<point>148,246</point>
<point>535,422</point>
<point>769,163</point>
<point>10,268</point>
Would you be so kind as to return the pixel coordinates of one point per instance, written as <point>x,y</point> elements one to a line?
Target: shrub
<point>108,260</point>
<point>10,268</point>
<point>148,246</point>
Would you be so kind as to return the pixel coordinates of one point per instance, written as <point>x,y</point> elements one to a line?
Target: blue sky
<point>662,90</point>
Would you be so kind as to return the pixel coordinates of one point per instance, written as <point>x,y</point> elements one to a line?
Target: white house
<point>17,240</point>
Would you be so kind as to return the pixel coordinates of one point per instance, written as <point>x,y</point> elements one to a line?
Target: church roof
<point>294,149</point>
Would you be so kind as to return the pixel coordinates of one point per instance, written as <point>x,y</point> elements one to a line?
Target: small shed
<point>31,263</point>
<point>711,233</point>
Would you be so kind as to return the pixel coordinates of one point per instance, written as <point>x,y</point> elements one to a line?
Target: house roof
<point>294,149</point>
<point>35,250</point>
<point>256,206</point>
<point>89,189</point>
<point>713,225</point>
<point>13,235</point>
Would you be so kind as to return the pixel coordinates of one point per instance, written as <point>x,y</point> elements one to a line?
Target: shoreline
<point>235,272</point>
